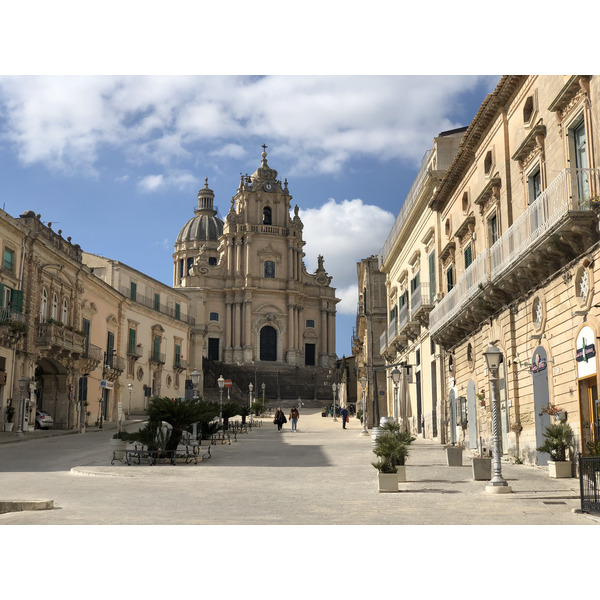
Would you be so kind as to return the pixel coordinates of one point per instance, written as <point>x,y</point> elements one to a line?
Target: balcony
<point>90,359</point>
<point>157,358</point>
<point>115,365</point>
<point>179,364</point>
<point>12,327</point>
<point>421,303</point>
<point>556,228</point>
<point>135,351</point>
<point>60,342</point>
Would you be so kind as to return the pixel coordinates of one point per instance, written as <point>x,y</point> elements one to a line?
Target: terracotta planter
<point>559,469</point>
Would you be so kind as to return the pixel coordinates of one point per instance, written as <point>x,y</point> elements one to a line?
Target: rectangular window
<point>432,276</point>
<point>212,261</point>
<point>450,277</point>
<point>415,282</point>
<point>214,316</point>
<point>85,327</point>
<point>133,291</point>
<point>132,341</point>
<point>110,346</point>
<point>9,258</point>
<point>578,154</point>
<point>493,229</point>
<point>534,184</point>
<point>468,256</point>
<point>156,348</point>
<point>156,301</point>
<point>177,310</point>
<point>190,264</point>
<point>177,355</point>
<point>310,322</point>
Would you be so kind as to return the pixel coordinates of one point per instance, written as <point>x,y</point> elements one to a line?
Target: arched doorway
<point>268,343</point>
<point>52,393</point>
<point>541,397</point>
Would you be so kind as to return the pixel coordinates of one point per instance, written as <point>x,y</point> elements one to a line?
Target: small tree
<point>230,409</point>
<point>559,439</point>
<point>392,452</point>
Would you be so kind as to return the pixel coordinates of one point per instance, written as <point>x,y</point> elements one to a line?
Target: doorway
<point>541,398</point>
<point>268,344</point>
<point>213,348</point>
<point>589,407</point>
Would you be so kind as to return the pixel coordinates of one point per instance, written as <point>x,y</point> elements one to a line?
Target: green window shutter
<point>450,277</point>
<point>468,256</point>
<point>177,355</point>
<point>133,291</point>
<point>132,333</point>
<point>177,310</point>
<point>156,301</point>
<point>1,295</point>
<point>85,327</point>
<point>156,347</point>
<point>432,275</point>
<point>17,301</point>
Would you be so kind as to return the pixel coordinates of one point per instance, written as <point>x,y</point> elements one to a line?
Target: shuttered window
<point>432,276</point>
<point>468,256</point>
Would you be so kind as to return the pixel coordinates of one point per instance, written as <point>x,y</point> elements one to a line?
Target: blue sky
<point>115,162</point>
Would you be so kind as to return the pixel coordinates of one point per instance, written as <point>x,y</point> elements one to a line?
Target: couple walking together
<point>280,419</point>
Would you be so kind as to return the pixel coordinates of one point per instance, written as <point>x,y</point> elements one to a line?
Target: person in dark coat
<point>344,413</point>
<point>279,419</point>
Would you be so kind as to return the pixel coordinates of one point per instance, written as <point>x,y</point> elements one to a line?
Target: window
<point>156,301</point>
<point>212,261</point>
<point>528,109</point>
<point>393,313</point>
<point>156,348</point>
<point>65,312</point>
<point>432,276</point>
<point>493,229</point>
<point>534,184</point>
<point>54,313</point>
<point>415,283</point>
<point>85,327</point>
<point>177,310</point>
<point>9,260</point>
<point>267,217</point>
<point>578,143</point>
<point>310,322</point>
<point>189,265</point>
<point>177,356</point>
<point>214,316</point>
<point>465,203</point>
<point>133,291</point>
<point>487,163</point>
<point>44,306</point>
<point>450,277</point>
<point>270,269</point>
<point>132,341</point>
<point>468,253</point>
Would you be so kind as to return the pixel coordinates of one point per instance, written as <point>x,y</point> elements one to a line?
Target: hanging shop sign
<point>585,352</point>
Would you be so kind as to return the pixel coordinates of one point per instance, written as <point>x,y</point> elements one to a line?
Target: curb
<point>20,505</point>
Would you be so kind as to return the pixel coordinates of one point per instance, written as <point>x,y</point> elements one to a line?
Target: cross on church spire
<point>264,147</point>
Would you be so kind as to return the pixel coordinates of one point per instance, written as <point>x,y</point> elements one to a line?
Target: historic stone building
<point>514,259</point>
<point>254,303</point>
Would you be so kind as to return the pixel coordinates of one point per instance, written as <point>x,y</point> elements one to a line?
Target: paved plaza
<point>320,475</point>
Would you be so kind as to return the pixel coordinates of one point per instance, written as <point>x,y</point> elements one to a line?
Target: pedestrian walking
<point>279,419</point>
<point>294,416</point>
<point>344,413</point>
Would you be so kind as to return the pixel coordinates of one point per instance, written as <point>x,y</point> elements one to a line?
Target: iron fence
<point>589,483</point>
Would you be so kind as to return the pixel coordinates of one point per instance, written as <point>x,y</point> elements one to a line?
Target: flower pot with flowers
<point>558,444</point>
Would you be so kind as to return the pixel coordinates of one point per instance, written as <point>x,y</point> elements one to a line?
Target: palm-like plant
<point>559,439</point>
<point>394,428</point>
<point>392,452</point>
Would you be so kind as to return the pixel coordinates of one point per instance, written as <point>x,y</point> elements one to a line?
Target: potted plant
<point>392,451</point>
<point>118,444</point>
<point>454,455</point>
<point>244,411</point>
<point>559,440</point>
<point>10,413</point>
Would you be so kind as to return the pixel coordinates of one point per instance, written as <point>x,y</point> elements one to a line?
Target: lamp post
<point>23,382</point>
<point>363,383</point>
<point>250,388</point>
<point>396,380</point>
<point>221,383</point>
<point>498,484</point>
<point>195,377</point>
<point>263,391</point>
<point>130,388</point>
<point>334,387</point>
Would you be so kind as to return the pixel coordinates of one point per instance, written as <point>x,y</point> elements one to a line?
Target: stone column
<point>290,262</point>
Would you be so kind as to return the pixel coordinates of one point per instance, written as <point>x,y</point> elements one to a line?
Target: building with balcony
<point>408,261</point>
<point>518,255</point>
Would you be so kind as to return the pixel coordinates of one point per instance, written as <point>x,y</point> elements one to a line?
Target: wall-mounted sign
<point>586,352</point>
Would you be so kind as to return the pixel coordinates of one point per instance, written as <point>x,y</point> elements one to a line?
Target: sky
<point>115,162</point>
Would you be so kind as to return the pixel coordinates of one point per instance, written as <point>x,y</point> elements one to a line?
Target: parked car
<point>43,420</point>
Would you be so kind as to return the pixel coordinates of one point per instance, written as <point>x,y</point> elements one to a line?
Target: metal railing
<point>589,483</point>
<point>571,191</point>
<point>382,342</point>
<point>151,303</point>
<point>407,206</point>
<point>392,329</point>
<point>466,287</point>
<point>402,316</point>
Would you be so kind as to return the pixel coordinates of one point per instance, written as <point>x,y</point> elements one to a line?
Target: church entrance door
<point>268,343</point>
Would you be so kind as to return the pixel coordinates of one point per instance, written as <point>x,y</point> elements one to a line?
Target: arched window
<point>65,312</point>
<point>54,314</point>
<point>44,306</point>
<point>270,269</point>
<point>267,218</point>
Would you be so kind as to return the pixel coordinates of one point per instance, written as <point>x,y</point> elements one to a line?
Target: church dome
<point>205,226</point>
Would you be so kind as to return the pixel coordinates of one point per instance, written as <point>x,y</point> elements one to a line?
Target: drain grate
<point>554,502</point>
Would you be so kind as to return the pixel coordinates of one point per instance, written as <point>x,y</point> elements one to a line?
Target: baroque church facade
<point>254,302</point>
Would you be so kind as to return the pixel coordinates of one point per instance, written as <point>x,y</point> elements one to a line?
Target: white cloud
<point>151,183</point>
<point>182,180</point>
<point>344,233</point>
<point>66,122</point>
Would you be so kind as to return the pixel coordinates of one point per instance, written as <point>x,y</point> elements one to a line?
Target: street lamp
<point>130,388</point>
<point>221,383</point>
<point>23,383</point>
<point>195,377</point>
<point>333,387</point>
<point>106,366</point>
<point>363,383</point>
<point>498,484</point>
<point>396,380</point>
<point>250,388</point>
<point>263,390</point>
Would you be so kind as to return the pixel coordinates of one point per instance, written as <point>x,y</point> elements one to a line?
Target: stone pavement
<point>321,475</point>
